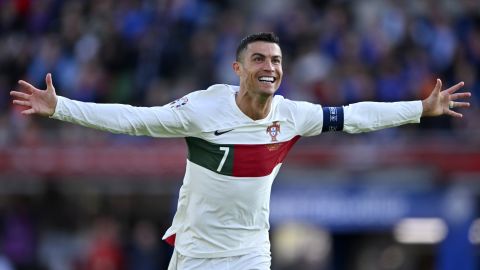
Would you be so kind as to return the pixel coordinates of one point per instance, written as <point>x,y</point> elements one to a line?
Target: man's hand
<point>442,102</point>
<point>41,102</point>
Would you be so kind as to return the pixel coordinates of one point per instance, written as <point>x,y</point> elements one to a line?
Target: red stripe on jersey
<point>256,160</point>
<point>171,240</point>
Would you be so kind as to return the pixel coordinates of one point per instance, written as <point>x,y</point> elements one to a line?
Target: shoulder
<point>296,110</point>
<point>300,103</point>
<point>213,93</point>
<point>201,103</point>
<point>204,110</point>
<point>218,90</point>
<point>227,88</point>
<point>283,103</point>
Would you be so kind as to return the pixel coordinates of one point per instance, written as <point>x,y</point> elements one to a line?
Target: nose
<point>268,65</point>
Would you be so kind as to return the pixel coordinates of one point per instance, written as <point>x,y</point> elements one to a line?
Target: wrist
<point>54,109</point>
<point>423,107</point>
<point>427,108</point>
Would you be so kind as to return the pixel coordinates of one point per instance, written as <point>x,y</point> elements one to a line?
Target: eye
<point>257,59</point>
<point>276,61</point>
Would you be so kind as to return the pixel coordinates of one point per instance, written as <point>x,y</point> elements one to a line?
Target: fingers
<point>22,103</point>
<point>26,86</point>
<point>49,82</point>
<point>48,79</point>
<point>454,88</point>
<point>457,104</point>
<point>456,96</point>
<point>438,87</point>
<point>28,112</point>
<point>454,114</point>
<point>460,95</point>
<point>24,99</point>
<point>31,89</point>
<point>19,95</point>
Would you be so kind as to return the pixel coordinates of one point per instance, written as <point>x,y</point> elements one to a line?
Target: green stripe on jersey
<point>215,157</point>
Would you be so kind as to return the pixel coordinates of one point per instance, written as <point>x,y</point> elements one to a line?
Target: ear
<point>236,68</point>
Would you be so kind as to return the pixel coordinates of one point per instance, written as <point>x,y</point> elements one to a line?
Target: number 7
<point>226,149</point>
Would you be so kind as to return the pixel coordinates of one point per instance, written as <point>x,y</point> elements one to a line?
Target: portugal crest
<point>273,130</point>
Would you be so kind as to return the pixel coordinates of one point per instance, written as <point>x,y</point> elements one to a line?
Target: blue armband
<point>332,119</point>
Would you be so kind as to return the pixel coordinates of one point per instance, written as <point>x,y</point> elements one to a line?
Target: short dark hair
<point>262,36</point>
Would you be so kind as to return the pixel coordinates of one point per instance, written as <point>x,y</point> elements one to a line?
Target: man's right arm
<point>166,121</point>
<point>119,118</point>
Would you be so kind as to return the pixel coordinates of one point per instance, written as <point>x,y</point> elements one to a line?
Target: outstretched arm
<point>41,102</point>
<point>162,121</point>
<point>370,116</point>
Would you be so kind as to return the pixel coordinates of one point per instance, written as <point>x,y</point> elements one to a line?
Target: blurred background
<point>405,198</point>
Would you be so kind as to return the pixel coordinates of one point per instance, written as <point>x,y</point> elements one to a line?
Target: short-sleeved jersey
<point>223,205</point>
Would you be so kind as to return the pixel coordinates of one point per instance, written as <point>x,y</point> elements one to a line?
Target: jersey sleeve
<point>312,119</point>
<point>370,116</point>
<point>171,120</point>
<point>308,118</point>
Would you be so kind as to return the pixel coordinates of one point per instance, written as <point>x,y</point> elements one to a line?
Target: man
<point>237,138</point>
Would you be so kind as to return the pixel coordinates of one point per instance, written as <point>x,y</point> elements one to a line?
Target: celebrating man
<point>237,137</point>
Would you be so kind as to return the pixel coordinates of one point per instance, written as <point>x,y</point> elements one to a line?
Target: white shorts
<point>252,261</point>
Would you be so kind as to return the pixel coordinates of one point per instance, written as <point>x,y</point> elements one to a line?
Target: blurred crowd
<point>52,230</point>
<point>148,53</point>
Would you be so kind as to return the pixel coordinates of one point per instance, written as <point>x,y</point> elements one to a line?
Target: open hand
<point>442,102</point>
<point>41,102</point>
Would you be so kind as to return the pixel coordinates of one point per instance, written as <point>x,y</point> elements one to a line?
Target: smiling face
<point>260,68</point>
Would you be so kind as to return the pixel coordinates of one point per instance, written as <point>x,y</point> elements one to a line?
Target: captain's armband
<point>332,119</point>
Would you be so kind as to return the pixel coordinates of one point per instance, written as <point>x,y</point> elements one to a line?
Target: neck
<point>254,106</point>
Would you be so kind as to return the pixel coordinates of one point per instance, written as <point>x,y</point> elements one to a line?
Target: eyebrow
<point>262,55</point>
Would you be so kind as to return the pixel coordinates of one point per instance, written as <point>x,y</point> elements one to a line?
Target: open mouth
<point>267,79</point>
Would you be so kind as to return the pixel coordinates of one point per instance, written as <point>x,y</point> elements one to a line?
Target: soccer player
<point>237,138</point>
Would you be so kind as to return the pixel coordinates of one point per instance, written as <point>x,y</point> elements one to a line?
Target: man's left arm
<point>370,116</point>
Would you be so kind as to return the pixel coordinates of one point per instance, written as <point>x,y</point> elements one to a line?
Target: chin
<point>268,92</point>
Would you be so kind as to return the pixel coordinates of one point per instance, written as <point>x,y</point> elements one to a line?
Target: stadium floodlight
<point>420,231</point>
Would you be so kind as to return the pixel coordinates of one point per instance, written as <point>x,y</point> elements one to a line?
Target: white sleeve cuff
<point>60,103</point>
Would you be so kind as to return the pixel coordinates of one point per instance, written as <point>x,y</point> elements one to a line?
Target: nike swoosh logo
<point>218,133</point>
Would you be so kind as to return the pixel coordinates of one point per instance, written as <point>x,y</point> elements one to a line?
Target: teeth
<point>266,79</point>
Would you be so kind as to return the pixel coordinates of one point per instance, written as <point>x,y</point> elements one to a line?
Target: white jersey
<point>223,206</point>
